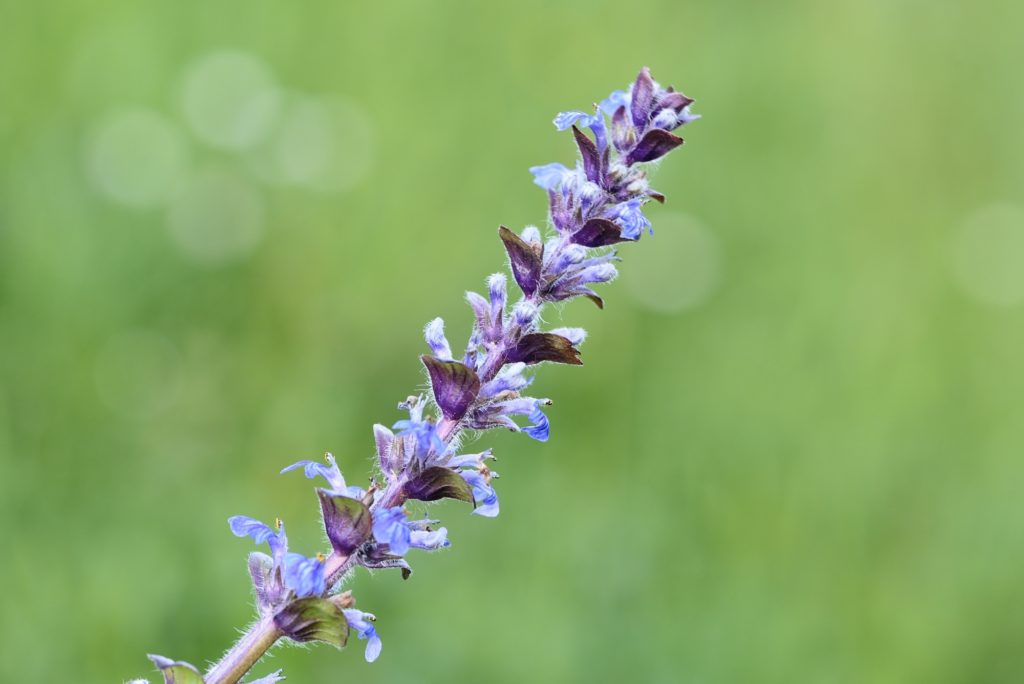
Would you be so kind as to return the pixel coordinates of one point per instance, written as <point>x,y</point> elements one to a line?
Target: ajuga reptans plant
<point>592,207</point>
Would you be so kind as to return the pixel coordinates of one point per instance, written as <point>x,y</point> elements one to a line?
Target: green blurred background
<point>794,453</point>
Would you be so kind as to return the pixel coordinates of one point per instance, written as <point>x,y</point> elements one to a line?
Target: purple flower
<point>628,214</point>
<point>540,428</point>
<point>244,526</point>
<point>599,273</point>
<point>496,414</point>
<point>485,496</point>
<point>304,576</point>
<point>470,460</point>
<point>509,379</point>
<point>425,433</point>
<point>363,624</point>
<point>566,119</point>
<point>684,117</point>
<point>594,121</point>
<point>429,540</point>
<point>329,472</point>
<point>643,117</point>
<point>549,176</point>
<point>584,193</point>
<point>618,98</point>
<point>569,256</point>
<point>389,528</point>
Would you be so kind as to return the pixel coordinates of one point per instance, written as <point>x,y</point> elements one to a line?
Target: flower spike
<point>594,204</point>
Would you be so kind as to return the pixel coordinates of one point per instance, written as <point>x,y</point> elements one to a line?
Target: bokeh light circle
<point>676,269</point>
<point>217,217</point>
<point>136,157</point>
<point>230,99</point>
<point>323,143</point>
<point>988,255</point>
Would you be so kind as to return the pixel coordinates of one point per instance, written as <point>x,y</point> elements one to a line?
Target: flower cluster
<point>592,207</point>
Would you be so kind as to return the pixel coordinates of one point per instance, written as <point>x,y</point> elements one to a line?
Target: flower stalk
<point>237,662</point>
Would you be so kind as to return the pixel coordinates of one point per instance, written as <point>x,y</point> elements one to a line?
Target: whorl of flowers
<point>592,207</point>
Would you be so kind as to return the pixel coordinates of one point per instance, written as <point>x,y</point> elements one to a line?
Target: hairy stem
<point>244,654</point>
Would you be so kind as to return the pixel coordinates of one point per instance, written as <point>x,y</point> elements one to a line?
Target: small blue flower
<point>389,527</point>
<point>509,379</point>
<point>566,119</point>
<point>598,273</point>
<point>329,472</point>
<point>470,460</point>
<point>549,176</point>
<point>594,121</point>
<point>429,540</point>
<point>530,407</point>
<point>590,194</point>
<point>628,214</point>
<point>363,624</point>
<point>425,433</point>
<point>541,428</point>
<point>244,526</point>
<point>686,117</point>
<point>618,98</point>
<point>570,255</point>
<point>496,414</point>
<point>304,576</point>
<point>485,496</point>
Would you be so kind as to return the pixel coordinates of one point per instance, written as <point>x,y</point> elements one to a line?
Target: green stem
<point>244,654</point>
